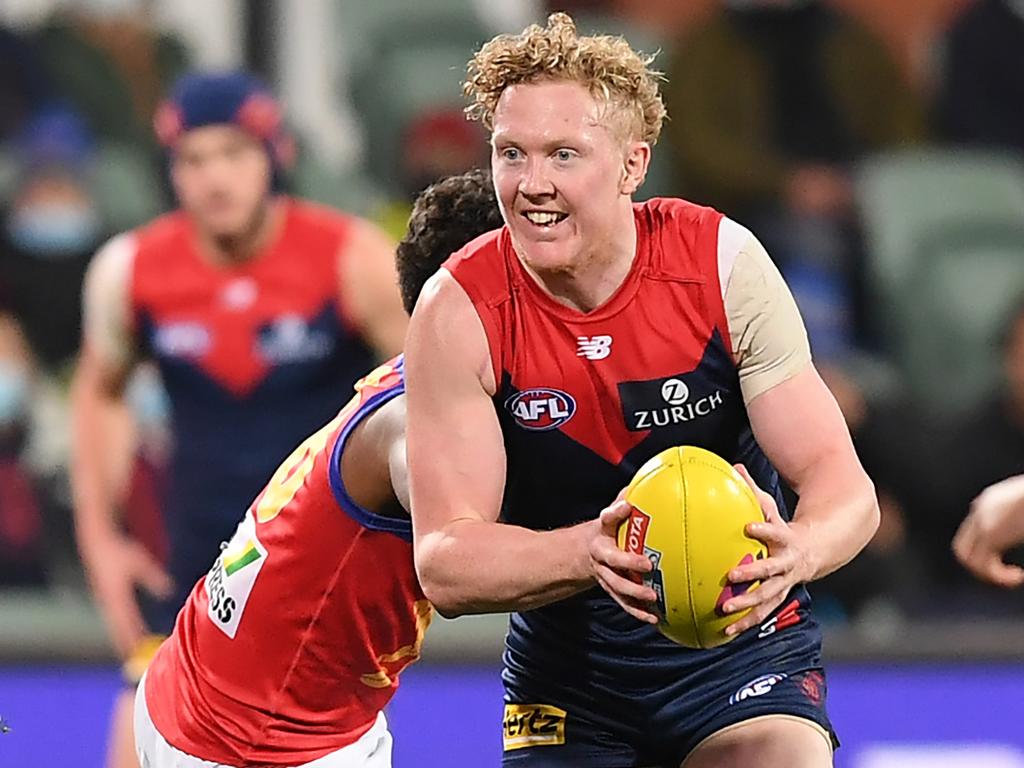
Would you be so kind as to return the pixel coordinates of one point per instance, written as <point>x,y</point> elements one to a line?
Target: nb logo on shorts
<point>593,347</point>
<point>532,725</point>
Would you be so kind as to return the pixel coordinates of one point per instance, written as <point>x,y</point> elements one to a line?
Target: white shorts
<point>372,750</point>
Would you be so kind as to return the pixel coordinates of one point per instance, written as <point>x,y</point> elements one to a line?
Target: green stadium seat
<point>966,279</point>
<point>127,186</point>
<point>904,195</point>
<point>409,72</point>
<point>347,191</point>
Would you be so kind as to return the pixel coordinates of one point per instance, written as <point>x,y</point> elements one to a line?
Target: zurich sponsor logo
<point>541,409</point>
<point>759,686</point>
<point>181,339</point>
<point>290,339</point>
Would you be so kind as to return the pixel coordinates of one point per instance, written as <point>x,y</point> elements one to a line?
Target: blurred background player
<point>260,311</point>
<point>549,360</point>
<point>333,521</point>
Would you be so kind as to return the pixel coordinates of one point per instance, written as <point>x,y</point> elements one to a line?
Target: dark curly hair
<point>445,217</point>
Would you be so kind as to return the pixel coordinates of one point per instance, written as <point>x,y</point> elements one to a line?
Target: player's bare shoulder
<point>446,329</point>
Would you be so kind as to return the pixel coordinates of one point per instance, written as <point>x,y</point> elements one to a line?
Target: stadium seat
<point>965,280</point>
<point>347,190</point>
<point>363,24</point>
<point>127,185</point>
<point>904,195</point>
<point>408,74</point>
<point>8,174</point>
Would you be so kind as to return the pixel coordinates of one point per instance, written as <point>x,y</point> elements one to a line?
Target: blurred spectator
<point>50,231</point>
<point>983,448</point>
<point>24,86</point>
<point>771,101</point>
<point>437,144</point>
<point>112,63</point>
<point>22,554</point>
<point>983,86</point>
<point>892,443</point>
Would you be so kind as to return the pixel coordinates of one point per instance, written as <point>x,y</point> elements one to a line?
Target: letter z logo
<point>593,347</point>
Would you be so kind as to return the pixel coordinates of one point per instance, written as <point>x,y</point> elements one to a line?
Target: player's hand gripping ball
<point>690,510</point>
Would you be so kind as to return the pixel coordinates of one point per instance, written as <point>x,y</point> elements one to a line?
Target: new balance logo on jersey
<point>593,347</point>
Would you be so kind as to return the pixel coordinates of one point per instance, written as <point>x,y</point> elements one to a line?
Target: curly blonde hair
<point>607,66</point>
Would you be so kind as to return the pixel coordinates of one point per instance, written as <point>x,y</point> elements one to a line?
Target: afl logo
<point>541,409</point>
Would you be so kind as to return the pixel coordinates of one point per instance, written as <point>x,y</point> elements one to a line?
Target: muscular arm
<point>801,430</point>
<point>797,423</point>
<point>467,561</point>
<point>101,442</point>
<point>101,451</point>
<point>369,289</point>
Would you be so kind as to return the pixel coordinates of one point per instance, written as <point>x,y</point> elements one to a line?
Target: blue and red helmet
<point>232,98</point>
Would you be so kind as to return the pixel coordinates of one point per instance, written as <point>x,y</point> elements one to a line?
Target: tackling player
<point>259,309</point>
<point>288,650</point>
<point>548,361</point>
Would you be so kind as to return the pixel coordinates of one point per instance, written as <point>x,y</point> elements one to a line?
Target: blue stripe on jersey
<point>401,527</point>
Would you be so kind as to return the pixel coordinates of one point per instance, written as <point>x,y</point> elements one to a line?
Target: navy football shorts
<point>598,716</point>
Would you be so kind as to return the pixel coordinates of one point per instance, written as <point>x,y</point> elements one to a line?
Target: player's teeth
<point>538,217</point>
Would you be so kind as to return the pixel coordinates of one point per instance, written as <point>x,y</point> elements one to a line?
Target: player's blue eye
<point>564,155</point>
<point>511,153</point>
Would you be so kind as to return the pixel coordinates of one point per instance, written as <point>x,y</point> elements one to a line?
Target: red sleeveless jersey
<point>559,369</point>
<point>292,643</point>
<point>584,399</point>
<point>255,356</point>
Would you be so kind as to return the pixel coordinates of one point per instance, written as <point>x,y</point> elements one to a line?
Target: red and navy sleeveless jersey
<point>293,642</point>
<point>255,356</point>
<point>584,399</point>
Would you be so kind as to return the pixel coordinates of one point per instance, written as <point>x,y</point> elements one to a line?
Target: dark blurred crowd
<point>788,115</point>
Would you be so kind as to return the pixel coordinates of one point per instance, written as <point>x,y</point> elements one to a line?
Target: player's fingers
<point>766,592</point>
<point>624,562</point>
<point>992,568</point>
<point>149,574</point>
<point>622,586</point>
<point>776,532</point>
<point>613,516</point>
<point>631,607</point>
<point>605,550</point>
<point>965,539</point>
<point>756,616</point>
<point>1008,576</point>
<point>759,570</point>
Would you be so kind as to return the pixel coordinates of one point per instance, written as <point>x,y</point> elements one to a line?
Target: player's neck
<point>597,275</point>
<point>265,226</point>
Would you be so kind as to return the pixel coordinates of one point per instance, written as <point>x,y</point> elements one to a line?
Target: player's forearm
<point>839,509</point>
<point>472,566</point>
<point>95,450</point>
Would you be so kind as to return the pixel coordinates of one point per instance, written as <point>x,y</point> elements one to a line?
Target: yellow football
<point>690,509</point>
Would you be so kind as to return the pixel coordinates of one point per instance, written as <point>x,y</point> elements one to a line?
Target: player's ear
<point>634,166</point>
